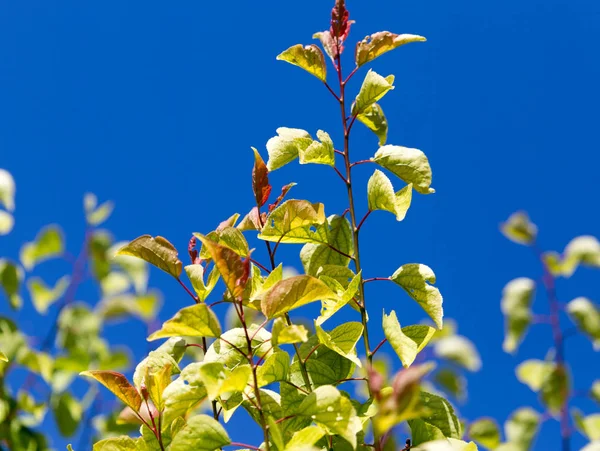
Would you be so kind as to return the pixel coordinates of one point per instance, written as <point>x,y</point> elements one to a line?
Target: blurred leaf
<point>3,357</point>
<point>586,315</point>
<point>381,42</point>
<point>374,87</point>
<point>486,432</point>
<point>459,350</point>
<point>522,426</point>
<point>114,283</point>
<point>588,425</point>
<point>414,278</point>
<point>452,383</point>
<point>37,362</point>
<point>120,444</point>
<point>7,190</point>
<point>450,444</point>
<point>7,222</point>
<point>410,165</point>
<point>406,341</point>
<point>43,296</point>
<point>201,433</point>
<point>517,297</point>
<point>309,57</point>
<point>583,250</point>
<point>194,321</point>
<point>157,251</point>
<point>10,279</point>
<point>520,229</point>
<point>68,412</point>
<point>48,244</point>
<point>96,214</point>
<point>135,268</point>
<point>595,391</point>
<point>382,197</point>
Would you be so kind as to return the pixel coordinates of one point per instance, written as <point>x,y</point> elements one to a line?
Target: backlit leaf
<point>517,297</point>
<point>310,58</point>
<point>374,87</point>
<point>588,425</point>
<point>96,214</point>
<point>582,250</point>
<point>196,275</point>
<point>283,334</point>
<point>156,251</point>
<point>10,279</point>
<point>519,228</point>
<point>522,426</point>
<point>68,412</point>
<point>120,444</point>
<point>375,120</point>
<point>381,42</point>
<point>201,433</point>
<point>414,278</point>
<point>486,432</point>
<point>286,146</point>
<point>7,190</point>
<point>381,196</point>
<point>534,373</point>
<point>342,339</point>
<point>194,321</point>
<point>294,221</point>
<point>43,296</point>
<point>336,233</point>
<point>7,222</point>
<point>410,165</point>
<point>407,341</point>
<point>586,315</point>
<point>318,152</point>
<point>260,180</point>
<point>274,369</point>
<point>119,385</point>
<point>48,244</point>
<point>459,350</point>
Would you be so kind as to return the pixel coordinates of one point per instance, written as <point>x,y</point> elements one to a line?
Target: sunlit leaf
<point>381,196</point>
<point>586,315</point>
<point>274,369</point>
<point>588,425</point>
<point>342,339</point>
<point>415,279</point>
<point>119,385</point>
<point>260,180</point>
<point>184,393</point>
<point>68,413</point>
<point>381,42</point>
<point>450,444</point>
<point>156,251</point>
<point>294,221</point>
<point>374,87</point>
<point>286,146</point>
<point>410,165</point>
<point>38,362</point>
<point>318,152</point>
<point>375,120</point>
<point>328,43</point>
<point>292,293</point>
<point>310,58</point>
<point>196,275</point>
<point>169,353</point>
<point>486,432</point>
<point>595,390</point>
<point>3,357</point>
<point>459,350</point>
<point>522,426</point>
<point>7,222</point>
<point>517,297</point>
<point>333,236</point>
<point>304,438</point>
<point>519,228</point>
<point>11,276</point>
<point>96,214</point>
<point>48,244</point>
<point>440,415</point>
<point>194,321</point>
<point>582,250</point>
<point>345,295</point>
<point>43,296</point>
<point>406,341</point>
<point>222,351</point>
<point>7,190</point>
<point>282,333</point>
<point>120,444</point>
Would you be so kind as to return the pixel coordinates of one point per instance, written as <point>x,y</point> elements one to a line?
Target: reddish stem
<point>243,445</point>
<point>363,220</point>
<point>378,346</point>
<point>194,297</point>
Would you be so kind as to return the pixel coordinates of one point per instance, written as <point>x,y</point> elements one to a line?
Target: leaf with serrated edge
<point>156,251</point>
<point>414,278</point>
<point>406,341</point>
<point>193,321</point>
<point>318,152</point>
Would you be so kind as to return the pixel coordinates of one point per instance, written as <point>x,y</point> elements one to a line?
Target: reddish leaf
<point>340,25</point>
<point>284,192</point>
<point>192,251</point>
<point>260,180</point>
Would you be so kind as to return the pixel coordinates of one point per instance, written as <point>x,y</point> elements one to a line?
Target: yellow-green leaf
<point>196,275</point>
<point>375,120</point>
<point>486,432</point>
<point>519,228</point>
<point>517,297</point>
<point>282,333</point>
<point>194,321</point>
<point>310,58</point>
<point>201,433</point>
<point>156,251</point>
<point>381,42</point>
<point>303,439</point>
<point>406,341</point>
<point>582,250</point>
<point>7,222</point>
<point>342,339</point>
<point>588,425</point>
<point>459,350</point>
<point>534,373</point>
<point>119,385</point>
<point>586,316</point>
<point>48,243</point>
<point>415,279</point>
<point>43,296</point>
<point>275,368</point>
<point>7,190</point>
<point>381,195</point>
<point>374,87</point>
<point>96,214</point>
<point>521,427</point>
<point>293,222</point>
<point>3,357</point>
<point>123,443</point>
<point>292,293</point>
<point>11,276</point>
<point>286,146</point>
<point>411,165</point>
<point>318,152</point>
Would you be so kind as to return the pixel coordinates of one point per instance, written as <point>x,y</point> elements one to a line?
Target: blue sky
<point>156,104</point>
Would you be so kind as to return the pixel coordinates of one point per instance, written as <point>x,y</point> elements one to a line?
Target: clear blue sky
<point>156,104</point>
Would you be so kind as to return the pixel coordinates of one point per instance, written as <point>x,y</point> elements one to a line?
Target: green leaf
<point>517,297</point>
<point>3,357</point>
<point>406,341</point>
<point>43,296</point>
<point>221,351</point>
<point>286,146</point>
<point>38,362</point>
<point>120,444</point>
<point>292,293</point>
<point>588,425</point>
<point>196,275</point>
<point>318,152</point>
<point>342,339</point>
<point>136,269</point>
<point>95,214</point>
<point>201,433</point>
<point>582,250</point>
<point>156,251</point>
<point>592,446</point>
<point>293,222</point>
<point>381,195</point>
<point>282,334</point>
<point>68,412</point>
<point>219,380</point>
<point>414,278</point>
<point>7,222</point>
<point>534,373</point>
<point>114,283</point>
<point>274,369</point>
<point>275,433</point>
<point>595,390</point>
<point>459,350</point>
<point>184,393</point>
<point>586,315</point>
<point>374,87</point>
<point>7,190</point>
<point>305,438</point>
<point>119,385</point>
<point>195,321</point>
<point>330,409</point>
<point>330,306</point>
<point>310,58</point>
<point>410,165</point>
<point>556,388</point>
<point>374,119</point>
<point>519,229</point>
<point>156,380</point>
<point>440,414</point>
<point>260,180</point>
<point>377,44</point>
<point>335,233</point>
<point>169,353</point>
<point>48,243</point>
<point>10,280</point>
<point>229,264</point>
<point>486,432</point>
<point>452,383</point>
<point>522,426</point>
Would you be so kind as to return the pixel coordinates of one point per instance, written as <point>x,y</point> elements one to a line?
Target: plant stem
<point>194,297</point>
<point>558,337</point>
<point>355,229</point>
